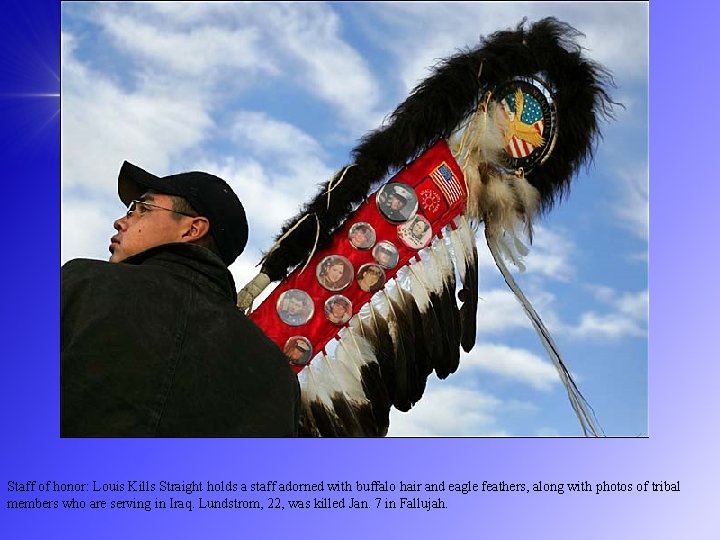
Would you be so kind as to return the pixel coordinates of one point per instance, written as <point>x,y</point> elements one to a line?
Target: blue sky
<point>273,97</point>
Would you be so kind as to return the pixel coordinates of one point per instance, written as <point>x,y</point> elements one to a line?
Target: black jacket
<point>154,346</point>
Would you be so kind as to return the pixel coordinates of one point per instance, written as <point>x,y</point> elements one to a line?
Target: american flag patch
<point>448,183</point>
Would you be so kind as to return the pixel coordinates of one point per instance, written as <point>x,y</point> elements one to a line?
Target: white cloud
<point>628,317</point>
<point>444,26</point>
<point>91,231</point>
<point>199,51</point>
<point>102,125</point>
<point>499,310</point>
<point>295,161</point>
<point>633,209</point>
<point>328,66</point>
<point>221,45</point>
<point>518,365</point>
<point>272,138</point>
<point>550,254</point>
<point>609,326</point>
<point>448,411</point>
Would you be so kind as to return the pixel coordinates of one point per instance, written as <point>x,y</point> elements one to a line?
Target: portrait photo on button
<point>298,350</point>
<point>397,202</point>
<point>416,233</point>
<point>371,278</point>
<point>295,307</point>
<point>386,254</point>
<point>362,235</point>
<point>334,272</point>
<point>338,309</point>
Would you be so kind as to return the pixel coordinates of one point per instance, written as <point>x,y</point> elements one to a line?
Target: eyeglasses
<point>143,206</point>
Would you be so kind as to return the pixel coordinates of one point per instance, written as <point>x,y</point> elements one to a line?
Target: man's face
<point>338,310</point>
<point>145,228</point>
<point>360,236</point>
<point>396,203</point>
<point>418,229</point>
<point>294,306</point>
<point>296,354</point>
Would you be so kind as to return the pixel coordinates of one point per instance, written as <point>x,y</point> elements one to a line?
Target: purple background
<point>683,366</point>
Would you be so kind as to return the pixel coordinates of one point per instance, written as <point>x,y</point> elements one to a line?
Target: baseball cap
<point>209,195</point>
<point>401,192</point>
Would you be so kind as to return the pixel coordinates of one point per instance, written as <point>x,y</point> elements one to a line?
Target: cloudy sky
<point>273,97</point>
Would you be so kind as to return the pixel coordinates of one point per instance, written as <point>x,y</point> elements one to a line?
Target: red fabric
<point>433,204</point>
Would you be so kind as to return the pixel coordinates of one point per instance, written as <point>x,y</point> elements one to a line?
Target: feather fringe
<point>466,260</point>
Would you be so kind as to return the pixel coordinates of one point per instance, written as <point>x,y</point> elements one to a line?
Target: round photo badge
<point>416,233</point>
<point>362,235</point>
<point>295,307</point>
<point>528,118</point>
<point>334,272</point>
<point>371,278</point>
<point>386,254</point>
<point>298,350</point>
<point>397,202</point>
<point>338,309</point>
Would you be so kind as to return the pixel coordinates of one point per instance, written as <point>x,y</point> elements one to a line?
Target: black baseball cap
<point>209,195</point>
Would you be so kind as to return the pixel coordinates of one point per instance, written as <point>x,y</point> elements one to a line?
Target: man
<point>298,351</point>
<point>295,310</point>
<point>398,204</point>
<point>386,255</point>
<point>151,342</point>
<point>362,236</point>
<point>338,310</point>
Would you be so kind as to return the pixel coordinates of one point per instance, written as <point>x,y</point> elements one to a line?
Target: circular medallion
<point>526,111</point>
<point>334,272</point>
<point>298,350</point>
<point>295,307</point>
<point>416,233</point>
<point>386,254</point>
<point>371,278</point>
<point>338,309</point>
<point>397,202</point>
<point>362,235</point>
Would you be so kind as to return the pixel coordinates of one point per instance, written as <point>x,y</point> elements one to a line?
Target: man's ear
<point>197,228</point>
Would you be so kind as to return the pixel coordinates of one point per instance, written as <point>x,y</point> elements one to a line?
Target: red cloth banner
<point>342,277</point>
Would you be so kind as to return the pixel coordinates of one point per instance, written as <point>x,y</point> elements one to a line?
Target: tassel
<point>582,409</point>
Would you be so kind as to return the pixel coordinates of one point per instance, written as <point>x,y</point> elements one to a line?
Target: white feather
<point>415,287</point>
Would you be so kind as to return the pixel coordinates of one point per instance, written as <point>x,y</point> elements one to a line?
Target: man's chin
<point>116,257</point>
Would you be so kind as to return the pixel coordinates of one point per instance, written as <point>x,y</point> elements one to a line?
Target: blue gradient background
<point>683,362</point>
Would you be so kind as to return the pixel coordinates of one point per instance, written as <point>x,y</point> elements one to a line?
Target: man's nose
<point>120,224</point>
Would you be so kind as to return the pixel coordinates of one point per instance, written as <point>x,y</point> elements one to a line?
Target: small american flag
<point>448,183</point>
